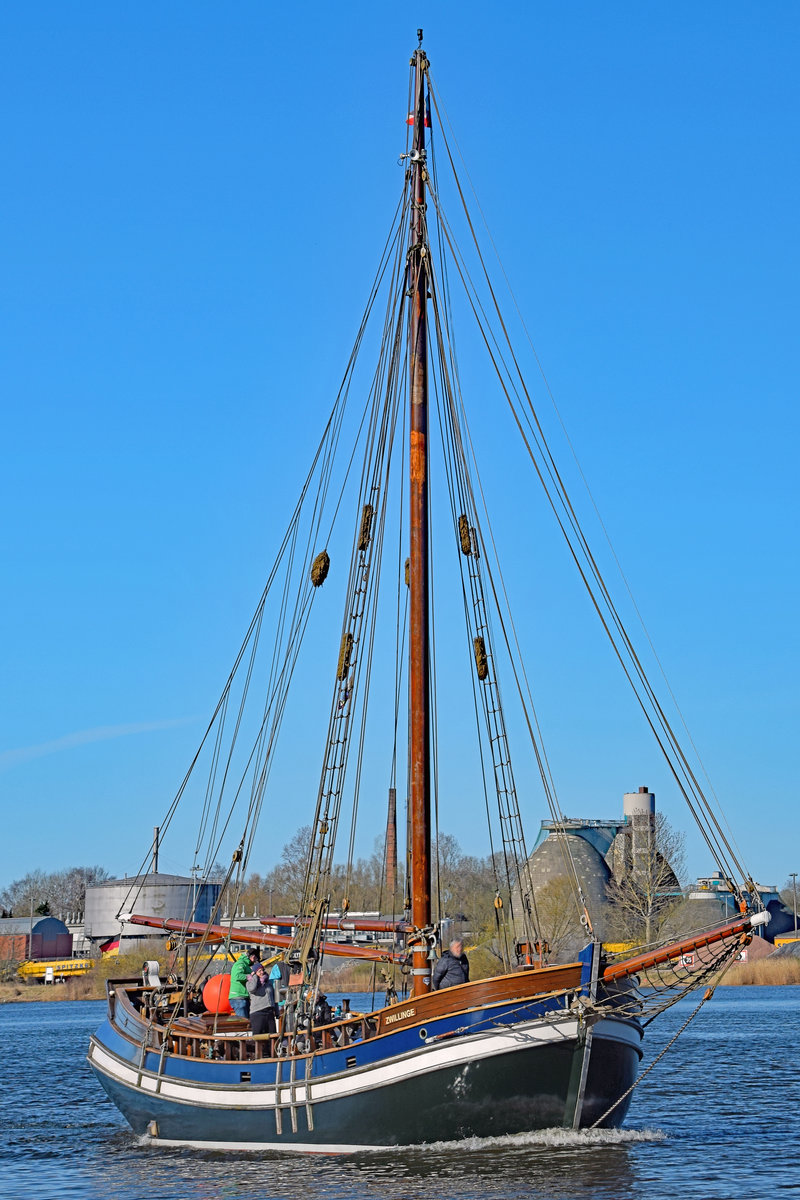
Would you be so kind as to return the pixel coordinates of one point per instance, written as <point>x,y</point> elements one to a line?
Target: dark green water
<point>717,1119</point>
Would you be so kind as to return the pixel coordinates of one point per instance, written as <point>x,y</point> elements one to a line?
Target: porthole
<point>423,1033</point>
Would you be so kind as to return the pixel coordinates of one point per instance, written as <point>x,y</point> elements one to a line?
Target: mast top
<point>419,35</point>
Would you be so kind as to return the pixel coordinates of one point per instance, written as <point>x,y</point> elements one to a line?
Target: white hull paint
<point>427,1060</point>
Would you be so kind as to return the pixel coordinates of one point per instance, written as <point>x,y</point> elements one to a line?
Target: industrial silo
<point>152,895</point>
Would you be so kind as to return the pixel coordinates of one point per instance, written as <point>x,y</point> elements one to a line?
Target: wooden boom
<point>258,937</point>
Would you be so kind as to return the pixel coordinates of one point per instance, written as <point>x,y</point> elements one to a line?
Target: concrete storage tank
<point>152,895</point>
<point>549,861</point>
<point>548,864</point>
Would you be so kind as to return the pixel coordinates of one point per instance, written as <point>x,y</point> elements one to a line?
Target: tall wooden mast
<point>419,670</point>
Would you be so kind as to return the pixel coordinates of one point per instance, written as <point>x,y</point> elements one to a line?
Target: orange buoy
<point>215,994</point>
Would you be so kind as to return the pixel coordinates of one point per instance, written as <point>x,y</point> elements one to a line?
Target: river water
<point>717,1119</point>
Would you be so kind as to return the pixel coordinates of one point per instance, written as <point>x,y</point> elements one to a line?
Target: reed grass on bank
<point>768,972</point>
<point>81,988</point>
<point>350,975</point>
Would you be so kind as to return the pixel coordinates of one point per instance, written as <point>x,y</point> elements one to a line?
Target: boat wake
<point>551,1139</point>
<point>547,1139</point>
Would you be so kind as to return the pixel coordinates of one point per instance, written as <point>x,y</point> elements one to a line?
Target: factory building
<point>33,938</point>
<point>603,852</point>
<point>712,900</point>
<point>606,852</point>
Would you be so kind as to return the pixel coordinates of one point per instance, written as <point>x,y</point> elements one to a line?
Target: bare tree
<point>63,892</point>
<point>559,918</point>
<point>447,859</point>
<point>466,884</point>
<point>294,864</point>
<point>32,888</point>
<point>790,896</point>
<point>644,889</point>
<point>477,885</point>
<point>280,889</point>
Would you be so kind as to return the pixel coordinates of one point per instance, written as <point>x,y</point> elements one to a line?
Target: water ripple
<point>731,1082</point>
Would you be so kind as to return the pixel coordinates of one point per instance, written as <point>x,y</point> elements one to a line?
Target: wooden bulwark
<point>522,986</point>
<point>227,1039</point>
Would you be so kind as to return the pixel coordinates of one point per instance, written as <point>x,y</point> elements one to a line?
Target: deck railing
<point>237,1046</point>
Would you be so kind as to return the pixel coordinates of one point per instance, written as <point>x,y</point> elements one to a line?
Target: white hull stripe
<point>458,1052</point>
<point>285,1147</point>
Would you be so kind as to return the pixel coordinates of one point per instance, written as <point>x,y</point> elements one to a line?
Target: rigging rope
<point>594,505</point>
<point>709,992</point>
<point>712,832</point>
<point>462,498</point>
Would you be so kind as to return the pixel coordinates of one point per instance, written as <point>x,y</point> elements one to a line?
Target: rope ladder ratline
<point>540,754</point>
<point>360,614</point>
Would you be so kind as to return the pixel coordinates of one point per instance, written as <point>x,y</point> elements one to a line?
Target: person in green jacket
<point>238,997</point>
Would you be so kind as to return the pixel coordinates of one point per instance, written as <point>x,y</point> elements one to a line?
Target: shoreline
<point>55,993</point>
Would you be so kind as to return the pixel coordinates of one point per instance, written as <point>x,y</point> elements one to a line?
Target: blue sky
<point>195,199</point>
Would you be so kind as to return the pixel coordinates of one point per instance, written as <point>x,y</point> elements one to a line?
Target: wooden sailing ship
<point>536,1045</point>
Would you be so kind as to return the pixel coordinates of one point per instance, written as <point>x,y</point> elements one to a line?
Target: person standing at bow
<point>452,967</point>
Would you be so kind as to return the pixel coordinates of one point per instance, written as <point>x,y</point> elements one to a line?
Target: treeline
<point>54,893</point>
<point>464,886</point>
<point>640,906</point>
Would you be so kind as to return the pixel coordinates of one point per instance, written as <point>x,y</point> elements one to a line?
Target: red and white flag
<point>427,122</point>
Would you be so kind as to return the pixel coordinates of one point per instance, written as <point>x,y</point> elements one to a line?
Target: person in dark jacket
<point>452,967</point>
<point>262,1000</point>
